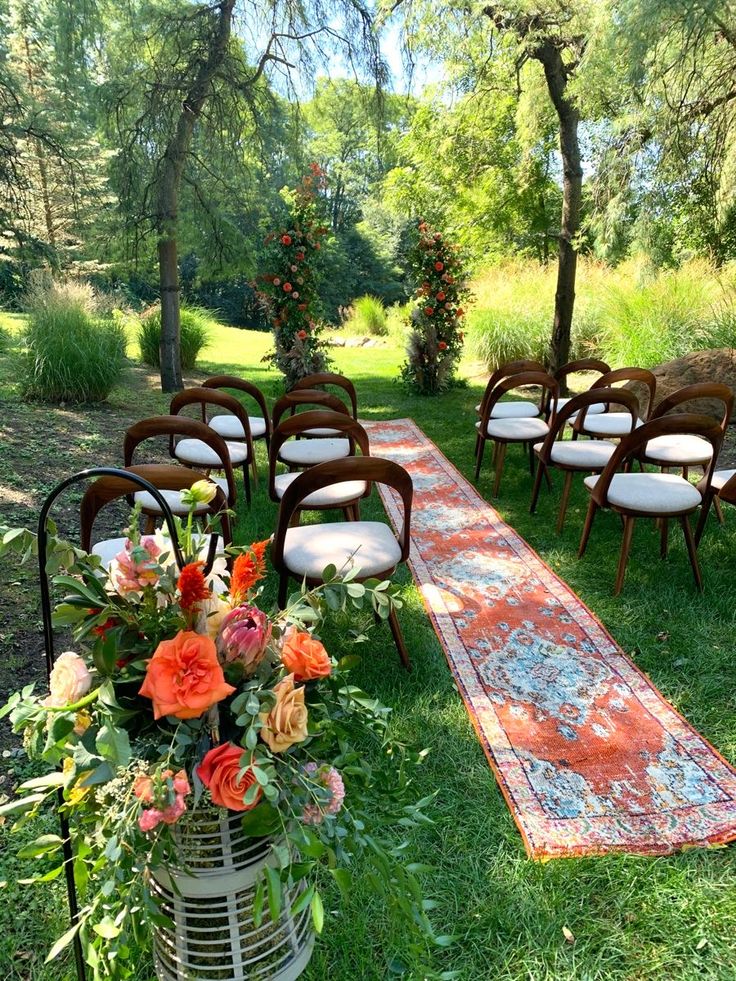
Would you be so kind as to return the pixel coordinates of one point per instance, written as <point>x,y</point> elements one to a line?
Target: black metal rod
<point>48,637</point>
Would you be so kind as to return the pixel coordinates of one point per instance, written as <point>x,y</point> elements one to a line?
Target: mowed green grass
<point>615,917</point>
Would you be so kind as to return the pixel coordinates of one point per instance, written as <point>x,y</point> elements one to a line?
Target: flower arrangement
<point>287,292</point>
<point>184,694</point>
<point>435,339</point>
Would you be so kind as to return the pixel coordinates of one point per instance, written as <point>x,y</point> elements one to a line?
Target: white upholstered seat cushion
<point>230,427</point>
<point>321,431</point>
<point>173,499</point>
<point>592,410</point>
<point>513,410</point>
<point>516,429</point>
<point>721,478</point>
<point>657,493</point>
<point>587,454</point>
<point>610,424</point>
<point>110,547</point>
<point>309,452</point>
<point>310,548</point>
<point>199,453</point>
<point>679,450</point>
<point>332,496</point>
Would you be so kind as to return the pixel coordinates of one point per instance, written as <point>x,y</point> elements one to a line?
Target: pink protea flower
<point>244,634</point>
<point>328,777</point>
<point>135,567</point>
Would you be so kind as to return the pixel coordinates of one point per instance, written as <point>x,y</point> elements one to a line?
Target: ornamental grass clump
<point>435,340</point>
<point>369,316</point>
<point>287,292</point>
<point>195,333</point>
<point>75,349</point>
<point>183,693</point>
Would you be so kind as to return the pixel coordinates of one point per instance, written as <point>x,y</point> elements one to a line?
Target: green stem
<point>75,706</point>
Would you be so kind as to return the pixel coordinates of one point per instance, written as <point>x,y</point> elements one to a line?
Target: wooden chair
<point>603,425</point>
<point>196,452</point>
<point>573,367</point>
<point>320,378</point>
<point>187,429</point>
<point>346,496</point>
<point>662,496</point>
<point>319,446</point>
<point>166,478</point>
<point>524,430</point>
<point>228,426</point>
<point>720,487</point>
<point>519,409</point>
<point>578,456</point>
<point>684,451</point>
<point>304,552</point>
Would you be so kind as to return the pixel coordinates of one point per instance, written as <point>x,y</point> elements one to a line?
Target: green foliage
<point>75,349</point>
<point>369,316</point>
<point>196,332</point>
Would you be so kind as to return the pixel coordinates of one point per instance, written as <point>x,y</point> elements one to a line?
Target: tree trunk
<point>168,185</point>
<point>40,153</point>
<point>556,75</point>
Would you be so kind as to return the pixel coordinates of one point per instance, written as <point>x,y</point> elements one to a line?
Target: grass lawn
<point>615,917</point>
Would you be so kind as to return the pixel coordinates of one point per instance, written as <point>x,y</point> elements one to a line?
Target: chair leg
<point>537,487</point>
<point>499,467</point>
<point>592,508</point>
<point>227,533</point>
<point>393,622</point>
<point>564,500</point>
<point>664,527</point>
<point>150,525</point>
<point>691,551</point>
<point>254,468</point>
<point>624,556</point>
<point>719,510</point>
<point>283,589</point>
<point>246,482</point>
<point>532,457</point>
<point>479,456</point>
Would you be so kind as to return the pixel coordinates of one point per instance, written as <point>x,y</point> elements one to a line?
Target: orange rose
<point>219,770</point>
<point>184,677</point>
<point>286,723</point>
<point>304,656</point>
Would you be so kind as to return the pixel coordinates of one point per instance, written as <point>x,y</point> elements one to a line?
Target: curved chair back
<point>294,426</point>
<point>369,469</point>
<point>683,424</point>
<point>307,396</point>
<point>642,375</point>
<point>321,378</point>
<point>580,404</point>
<point>107,489</point>
<point>549,386</point>
<point>173,426</point>
<point>212,396</point>
<point>505,371</point>
<point>583,364</point>
<point>241,385</point>
<point>694,393</point>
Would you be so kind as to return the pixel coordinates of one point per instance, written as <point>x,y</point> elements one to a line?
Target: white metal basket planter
<point>213,936</point>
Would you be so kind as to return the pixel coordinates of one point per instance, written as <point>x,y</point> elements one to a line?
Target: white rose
<point>70,680</point>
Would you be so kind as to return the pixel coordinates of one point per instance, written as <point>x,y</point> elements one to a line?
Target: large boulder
<point>715,365</point>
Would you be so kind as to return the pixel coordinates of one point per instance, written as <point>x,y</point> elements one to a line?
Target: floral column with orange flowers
<point>287,292</point>
<point>436,338</point>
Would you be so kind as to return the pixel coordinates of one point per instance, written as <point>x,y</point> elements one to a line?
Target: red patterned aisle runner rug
<point>588,754</point>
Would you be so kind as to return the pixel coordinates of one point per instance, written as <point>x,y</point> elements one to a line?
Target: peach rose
<point>305,656</point>
<point>184,677</point>
<point>70,680</point>
<point>286,723</point>
<point>219,770</point>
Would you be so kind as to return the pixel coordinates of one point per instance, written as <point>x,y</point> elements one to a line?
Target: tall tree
<point>556,38</point>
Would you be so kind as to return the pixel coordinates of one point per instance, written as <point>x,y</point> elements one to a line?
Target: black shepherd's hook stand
<point>48,636</point>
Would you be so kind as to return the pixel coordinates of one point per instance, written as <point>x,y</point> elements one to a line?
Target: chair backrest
<point>694,393</point>
<point>173,426</point>
<point>320,378</point>
<point>364,468</point>
<point>549,386</point>
<point>294,426</point>
<point>582,364</point>
<point>505,371</point>
<point>212,396</point>
<point>631,446</point>
<point>107,489</point>
<point>307,396</point>
<point>241,385</point>
<point>642,375</point>
<point>580,404</point>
